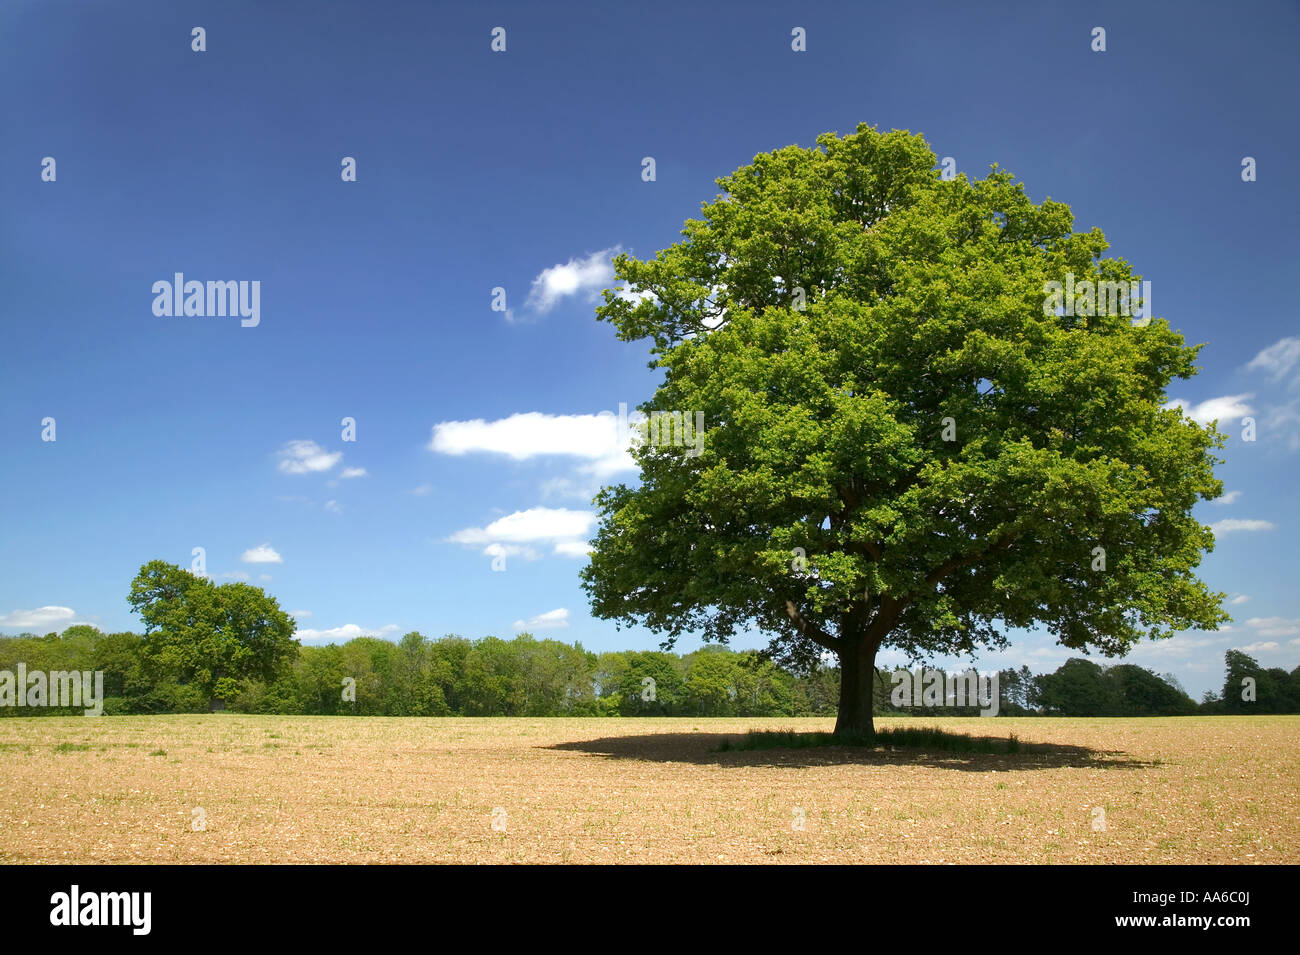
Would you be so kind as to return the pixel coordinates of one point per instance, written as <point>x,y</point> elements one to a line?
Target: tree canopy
<point>212,637</point>
<point>905,445</point>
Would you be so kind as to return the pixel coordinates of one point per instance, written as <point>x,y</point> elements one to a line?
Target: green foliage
<point>825,426</point>
<point>453,676</point>
<point>210,637</point>
<point>1082,688</point>
<point>1275,690</point>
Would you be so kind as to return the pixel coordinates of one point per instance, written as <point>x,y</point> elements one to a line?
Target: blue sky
<point>522,170</point>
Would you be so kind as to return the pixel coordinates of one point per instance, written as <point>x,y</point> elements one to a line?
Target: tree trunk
<point>857,673</point>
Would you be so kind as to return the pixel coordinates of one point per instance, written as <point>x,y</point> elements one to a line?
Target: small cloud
<point>1274,626</point>
<point>300,614</point>
<point>352,473</point>
<point>306,457</point>
<point>1228,498</point>
<point>1278,359</point>
<point>534,524</point>
<point>577,276</point>
<point>349,631</point>
<point>333,507</point>
<point>1214,409</point>
<point>1256,647</point>
<point>422,490</point>
<point>262,554</point>
<point>1238,599</point>
<point>551,620</point>
<point>572,548</point>
<point>510,550</point>
<point>56,617</point>
<point>1234,524</point>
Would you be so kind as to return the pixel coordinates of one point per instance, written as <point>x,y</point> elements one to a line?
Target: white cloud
<point>352,473</point>
<point>1176,646</point>
<point>573,548</point>
<point>510,550</point>
<point>532,434</point>
<point>1278,359</point>
<point>262,554</point>
<point>551,620</point>
<point>1227,498</point>
<point>333,507</point>
<point>1256,647</point>
<point>577,276</point>
<point>306,457</point>
<point>597,439</point>
<point>300,614</point>
<point>510,535</point>
<point>1275,626</point>
<point>56,617</point>
<point>1214,409</point>
<point>348,631</point>
<point>1231,524</point>
<point>1239,599</point>
<point>1284,420</point>
<point>534,524</point>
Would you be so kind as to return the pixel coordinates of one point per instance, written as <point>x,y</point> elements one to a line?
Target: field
<point>226,788</point>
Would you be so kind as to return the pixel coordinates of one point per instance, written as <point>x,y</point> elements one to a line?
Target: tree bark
<point>857,673</point>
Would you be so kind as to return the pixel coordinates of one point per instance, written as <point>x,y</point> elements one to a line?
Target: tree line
<point>526,676</point>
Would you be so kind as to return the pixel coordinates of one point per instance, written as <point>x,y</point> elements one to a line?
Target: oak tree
<point>907,444</point>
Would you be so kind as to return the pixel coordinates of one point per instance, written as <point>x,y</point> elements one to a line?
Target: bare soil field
<point>275,789</point>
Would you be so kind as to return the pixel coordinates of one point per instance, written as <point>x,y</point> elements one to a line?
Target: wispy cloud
<point>307,457</point>
<point>55,617</point>
<point>349,631</point>
<point>1233,524</point>
<point>1228,498</point>
<point>352,473</point>
<point>1257,646</point>
<point>1274,626</point>
<point>1278,360</point>
<point>1224,408</point>
<point>551,620</point>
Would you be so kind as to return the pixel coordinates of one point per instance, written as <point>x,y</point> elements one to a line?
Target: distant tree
<point>710,683</point>
<point>211,637</point>
<point>1241,667</point>
<point>1139,692</point>
<point>1076,689</point>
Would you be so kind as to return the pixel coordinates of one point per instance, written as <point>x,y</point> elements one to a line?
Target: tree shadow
<point>703,749</point>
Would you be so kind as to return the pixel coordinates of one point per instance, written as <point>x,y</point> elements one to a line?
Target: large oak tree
<point>904,447</point>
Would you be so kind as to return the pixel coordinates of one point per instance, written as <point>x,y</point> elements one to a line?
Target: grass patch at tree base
<point>900,737</point>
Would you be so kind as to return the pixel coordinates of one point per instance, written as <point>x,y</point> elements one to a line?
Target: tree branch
<point>808,631</point>
<point>956,563</point>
